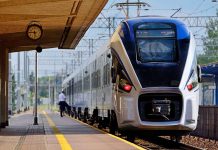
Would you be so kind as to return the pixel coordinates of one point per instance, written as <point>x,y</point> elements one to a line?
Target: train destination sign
<point>155,33</point>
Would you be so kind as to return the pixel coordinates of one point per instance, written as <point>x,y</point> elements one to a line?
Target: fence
<point>207,122</point>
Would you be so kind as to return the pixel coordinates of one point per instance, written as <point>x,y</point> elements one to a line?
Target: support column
<point>10,105</point>
<point>4,88</point>
<point>1,53</point>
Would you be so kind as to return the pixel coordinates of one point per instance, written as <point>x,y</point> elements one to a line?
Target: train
<point>145,80</point>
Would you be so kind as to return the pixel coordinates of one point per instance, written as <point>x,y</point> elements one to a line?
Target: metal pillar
<point>49,92</point>
<point>6,86</point>
<point>18,104</point>
<point>25,81</point>
<point>127,11</point>
<point>10,87</point>
<point>36,92</point>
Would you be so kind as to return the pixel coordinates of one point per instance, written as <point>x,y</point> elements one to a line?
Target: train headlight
<point>125,86</point>
<point>193,81</point>
<point>190,87</point>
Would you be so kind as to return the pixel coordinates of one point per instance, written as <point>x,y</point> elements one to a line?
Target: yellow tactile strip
<point>118,138</point>
<point>60,137</point>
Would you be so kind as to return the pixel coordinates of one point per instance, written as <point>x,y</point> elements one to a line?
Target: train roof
<point>182,30</point>
<point>133,21</point>
<point>92,58</point>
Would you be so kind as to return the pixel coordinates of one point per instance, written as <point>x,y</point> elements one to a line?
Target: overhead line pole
<point>176,12</point>
<point>127,11</point>
<point>127,4</point>
<point>138,11</point>
<point>36,92</point>
<point>192,21</point>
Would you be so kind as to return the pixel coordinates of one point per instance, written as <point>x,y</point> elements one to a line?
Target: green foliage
<point>43,86</point>
<point>31,88</point>
<point>210,53</point>
<point>31,80</point>
<point>13,92</point>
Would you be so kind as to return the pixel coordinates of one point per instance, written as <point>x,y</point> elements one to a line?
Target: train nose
<point>160,107</point>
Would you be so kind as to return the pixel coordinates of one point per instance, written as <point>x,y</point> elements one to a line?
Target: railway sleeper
<point>175,138</point>
<point>130,137</point>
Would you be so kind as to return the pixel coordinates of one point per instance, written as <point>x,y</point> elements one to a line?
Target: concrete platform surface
<point>56,133</point>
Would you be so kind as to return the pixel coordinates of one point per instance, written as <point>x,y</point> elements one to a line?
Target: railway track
<point>153,143</point>
<point>159,143</point>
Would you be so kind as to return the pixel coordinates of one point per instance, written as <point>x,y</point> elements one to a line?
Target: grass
<point>48,107</point>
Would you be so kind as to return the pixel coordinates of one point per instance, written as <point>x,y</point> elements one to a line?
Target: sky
<point>164,7</point>
<point>157,7</point>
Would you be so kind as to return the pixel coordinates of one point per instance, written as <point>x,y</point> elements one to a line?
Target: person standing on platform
<point>62,103</point>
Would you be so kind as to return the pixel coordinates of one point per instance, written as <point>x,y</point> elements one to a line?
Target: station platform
<point>57,133</point>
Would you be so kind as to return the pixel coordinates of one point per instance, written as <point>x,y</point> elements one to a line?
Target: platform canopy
<point>64,22</point>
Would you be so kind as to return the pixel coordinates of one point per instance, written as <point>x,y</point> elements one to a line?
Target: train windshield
<point>156,43</point>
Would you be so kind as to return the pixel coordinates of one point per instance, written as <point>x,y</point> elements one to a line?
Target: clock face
<point>34,32</point>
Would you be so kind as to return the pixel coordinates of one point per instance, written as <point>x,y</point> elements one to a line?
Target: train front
<point>156,79</point>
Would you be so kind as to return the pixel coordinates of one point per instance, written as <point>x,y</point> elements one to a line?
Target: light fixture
<point>39,49</point>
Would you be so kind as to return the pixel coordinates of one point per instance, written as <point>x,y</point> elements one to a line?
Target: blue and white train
<point>145,80</point>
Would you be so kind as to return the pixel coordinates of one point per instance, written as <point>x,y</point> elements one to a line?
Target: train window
<point>96,79</point>
<point>156,50</point>
<point>79,86</point>
<point>98,73</point>
<point>106,74</point>
<point>156,42</point>
<point>86,83</point>
<point>93,80</point>
<point>76,87</point>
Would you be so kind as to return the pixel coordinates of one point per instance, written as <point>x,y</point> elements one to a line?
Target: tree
<point>43,85</point>
<point>210,53</point>
<point>32,87</point>
<point>13,92</point>
<point>31,80</point>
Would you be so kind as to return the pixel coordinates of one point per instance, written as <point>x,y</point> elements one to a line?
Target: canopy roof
<point>64,22</point>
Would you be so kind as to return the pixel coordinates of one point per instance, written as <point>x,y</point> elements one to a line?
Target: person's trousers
<point>63,105</point>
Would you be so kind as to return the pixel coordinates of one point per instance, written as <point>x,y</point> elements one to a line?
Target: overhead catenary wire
<point>203,10</point>
<point>198,6</point>
<point>105,15</point>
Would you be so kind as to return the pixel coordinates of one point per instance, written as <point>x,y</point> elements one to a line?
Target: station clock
<point>34,31</point>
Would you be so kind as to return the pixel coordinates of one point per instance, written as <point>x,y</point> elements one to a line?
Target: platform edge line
<point>60,137</point>
<point>125,141</point>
